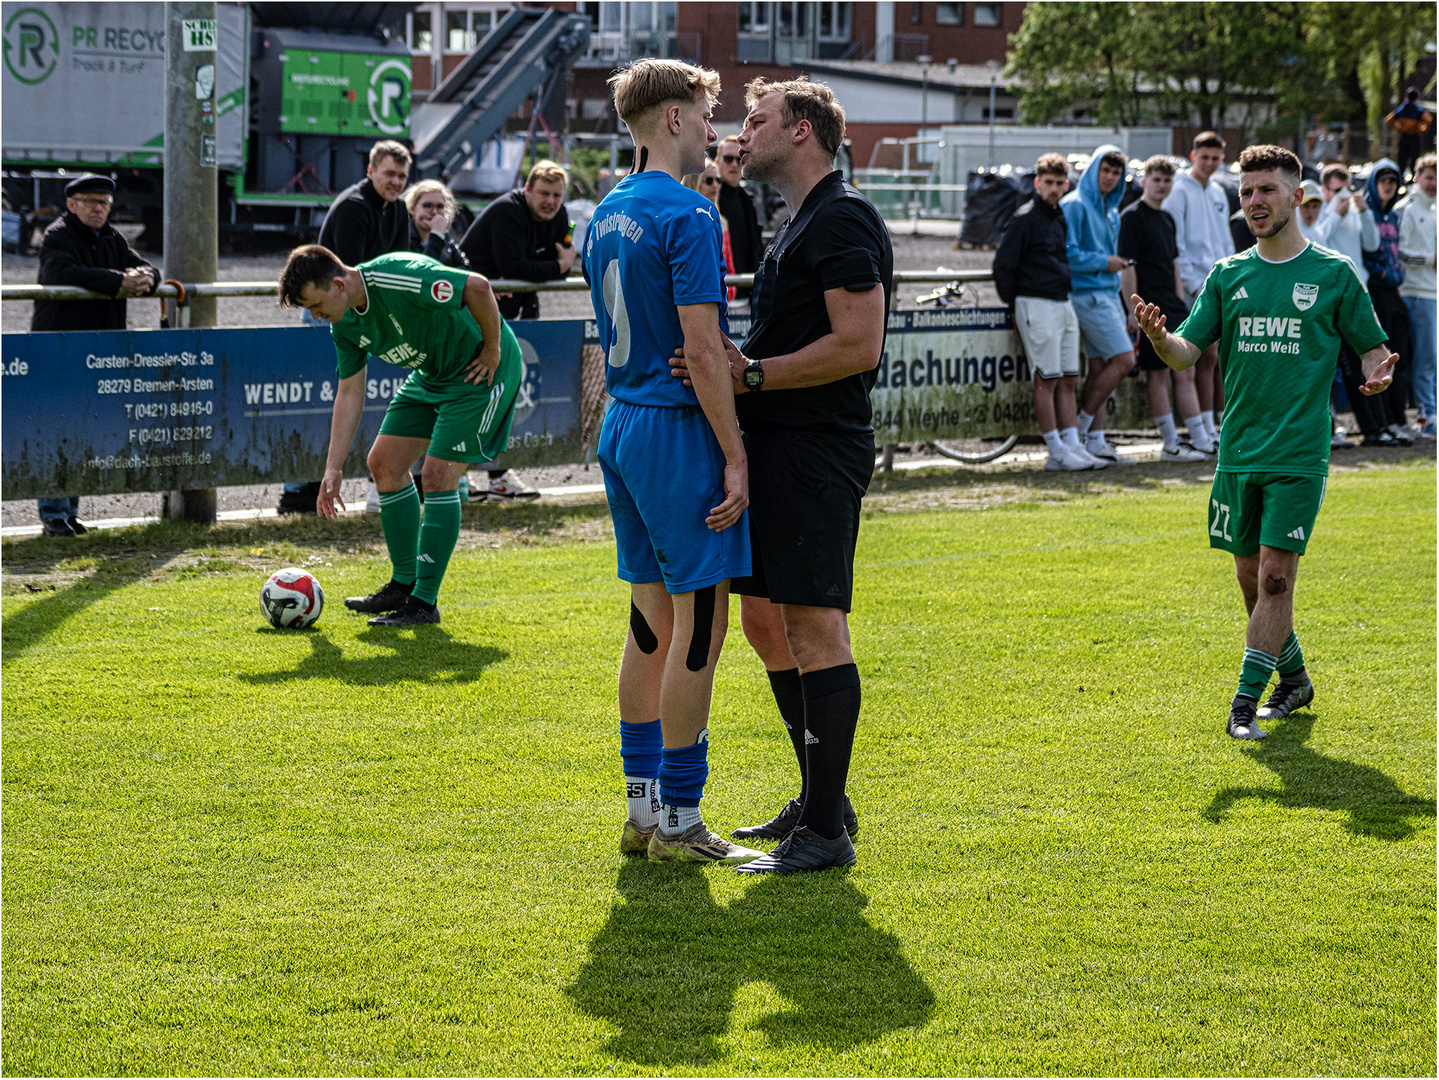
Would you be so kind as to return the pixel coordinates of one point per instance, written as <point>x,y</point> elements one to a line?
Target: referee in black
<point>802,382</point>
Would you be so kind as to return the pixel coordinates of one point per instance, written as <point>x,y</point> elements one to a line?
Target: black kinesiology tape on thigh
<point>699,654</point>
<point>644,636</point>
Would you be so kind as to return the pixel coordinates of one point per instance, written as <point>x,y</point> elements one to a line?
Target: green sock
<point>400,521</point>
<point>1291,657</point>
<point>1254,673</point>
<point>437,542</point>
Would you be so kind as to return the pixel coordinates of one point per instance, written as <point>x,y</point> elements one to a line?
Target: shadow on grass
<point>32,624</point>
<point>428,654</point>
<point>1375,805</point>
<point>668,962</point>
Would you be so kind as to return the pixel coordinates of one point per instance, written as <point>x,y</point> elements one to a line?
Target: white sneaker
<point>1104,451</point>
<point>1180,452</point>
<point>1339,439</point>
<point>509,486</point>
<point>1069,459</point>
<point>1094,462</point>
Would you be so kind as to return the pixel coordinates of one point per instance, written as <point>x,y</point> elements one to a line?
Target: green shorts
<point>466,422</point>
<point>1250,509</point>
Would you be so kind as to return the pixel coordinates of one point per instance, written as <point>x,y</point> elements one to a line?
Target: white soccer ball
<point>291,599</point>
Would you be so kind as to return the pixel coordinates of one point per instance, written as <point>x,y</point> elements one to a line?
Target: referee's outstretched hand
<point>1380,378</point>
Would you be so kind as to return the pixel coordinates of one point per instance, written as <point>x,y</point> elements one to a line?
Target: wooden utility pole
<point>191,185</point>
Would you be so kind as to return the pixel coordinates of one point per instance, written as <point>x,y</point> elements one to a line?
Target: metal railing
<point>269,288</point>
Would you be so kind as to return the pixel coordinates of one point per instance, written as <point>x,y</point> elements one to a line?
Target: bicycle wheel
<point>975,451</point>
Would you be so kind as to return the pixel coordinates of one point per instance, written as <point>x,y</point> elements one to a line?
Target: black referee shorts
<point>805,489</point>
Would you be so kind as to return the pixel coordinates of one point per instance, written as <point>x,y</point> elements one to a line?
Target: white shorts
<point>1050,332</point>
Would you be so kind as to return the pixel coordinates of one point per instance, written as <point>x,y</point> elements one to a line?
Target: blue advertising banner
<point>154,410</point>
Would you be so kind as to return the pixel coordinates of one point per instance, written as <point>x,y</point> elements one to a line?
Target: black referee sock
<point>789,696</point>
<point>831,713</point>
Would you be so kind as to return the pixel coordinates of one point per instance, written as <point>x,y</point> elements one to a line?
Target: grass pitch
<point>234,850</point>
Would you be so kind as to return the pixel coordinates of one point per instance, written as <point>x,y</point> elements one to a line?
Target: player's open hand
<point>1151,320</point>
<point>736,490</point>
<point>1380,378</point>
<point>484,365</point>
<point>329,496</point>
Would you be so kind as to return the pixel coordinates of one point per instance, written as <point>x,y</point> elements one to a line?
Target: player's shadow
<point>34,623</point>
<point>429,654</point>
<point>667,964</point>
<point>1373,803</point>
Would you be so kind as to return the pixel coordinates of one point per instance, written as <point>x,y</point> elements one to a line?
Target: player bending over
<point>1279,311</point>
<point>674,465</point>
<point>455,407</point>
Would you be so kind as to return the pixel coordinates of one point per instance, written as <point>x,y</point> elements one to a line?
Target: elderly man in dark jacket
<point>83,250</point>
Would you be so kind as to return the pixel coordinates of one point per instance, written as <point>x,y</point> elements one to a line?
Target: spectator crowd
<point>1068,264</point>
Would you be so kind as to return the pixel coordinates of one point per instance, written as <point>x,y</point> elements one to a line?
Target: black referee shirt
<point>837,240</point>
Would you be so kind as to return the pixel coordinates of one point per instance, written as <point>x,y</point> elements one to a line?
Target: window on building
<point>754,17</point>
<point>949,14</point>
<point>833,21</point>
<point>792,19</point>
<point>457,32</point>
<point>421,38</point>
<point>481,23</point>
<point>986,15</point>
<point>916,13</point>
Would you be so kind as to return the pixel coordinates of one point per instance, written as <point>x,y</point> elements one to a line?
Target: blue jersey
<point>652,245</point>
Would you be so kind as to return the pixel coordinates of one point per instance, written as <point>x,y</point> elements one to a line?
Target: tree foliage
<point>1222,63</point>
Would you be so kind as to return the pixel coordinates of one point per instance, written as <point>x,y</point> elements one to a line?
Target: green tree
<point>1070,52</point>
<point>1366,50</point>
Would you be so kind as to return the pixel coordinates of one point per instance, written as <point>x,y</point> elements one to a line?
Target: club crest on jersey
<point>1305,295</point>
<point>442,291</point>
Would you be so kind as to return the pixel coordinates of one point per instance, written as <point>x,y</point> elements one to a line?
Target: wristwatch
<point>753,376</point>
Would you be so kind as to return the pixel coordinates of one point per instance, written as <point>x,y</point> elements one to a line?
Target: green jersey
<point>414,317</point>
<point>1279,326</point>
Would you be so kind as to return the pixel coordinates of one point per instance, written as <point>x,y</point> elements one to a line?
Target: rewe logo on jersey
<point>1305,295</point>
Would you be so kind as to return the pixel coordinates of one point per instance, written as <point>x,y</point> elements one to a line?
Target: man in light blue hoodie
<point>1106,321</point>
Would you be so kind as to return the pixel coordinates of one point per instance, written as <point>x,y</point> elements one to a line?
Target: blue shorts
<point>664,473</point>
<point>1101,323</point>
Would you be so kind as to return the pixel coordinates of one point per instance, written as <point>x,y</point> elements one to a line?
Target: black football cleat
<point>1242,724</point>
<point>785,822</point>
<point>414,613</point>
<point>1293,692</point>
<point>389,597</point>
<point>801,852</point>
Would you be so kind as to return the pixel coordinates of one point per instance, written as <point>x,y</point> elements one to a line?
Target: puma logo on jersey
<point>1297,534</point>
<point>705,210</point>
<point>1242,294</point>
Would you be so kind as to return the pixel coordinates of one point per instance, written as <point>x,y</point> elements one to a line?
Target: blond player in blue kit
<point>1279,311</point>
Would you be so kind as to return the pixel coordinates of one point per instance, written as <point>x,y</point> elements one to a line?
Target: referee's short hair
<point>308,264</point>
<point>1265,157</point>
<point>650,82</point>
<point>804,100</point>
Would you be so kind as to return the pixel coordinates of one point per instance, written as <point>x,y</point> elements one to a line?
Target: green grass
<point>233,850</point>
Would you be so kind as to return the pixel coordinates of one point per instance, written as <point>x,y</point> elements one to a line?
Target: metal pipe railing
<point>269,288</point>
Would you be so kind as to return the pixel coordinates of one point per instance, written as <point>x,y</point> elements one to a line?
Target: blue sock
<point>683,772</point>
<point>640,746</point>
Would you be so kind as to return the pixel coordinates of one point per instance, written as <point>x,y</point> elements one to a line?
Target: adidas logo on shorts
<point>1297,534</point>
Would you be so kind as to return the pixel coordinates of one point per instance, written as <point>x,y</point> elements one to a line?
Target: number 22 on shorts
<point>1220,510</point>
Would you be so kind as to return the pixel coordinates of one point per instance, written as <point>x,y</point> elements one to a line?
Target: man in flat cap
<point>82,249</point>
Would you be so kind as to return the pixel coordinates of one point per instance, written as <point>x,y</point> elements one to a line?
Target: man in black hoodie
<point>524,236</point>
<point>1031,274</point>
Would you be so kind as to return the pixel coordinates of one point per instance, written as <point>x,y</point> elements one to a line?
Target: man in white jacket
<point>1416,251</point>
<point>1201,218</point>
